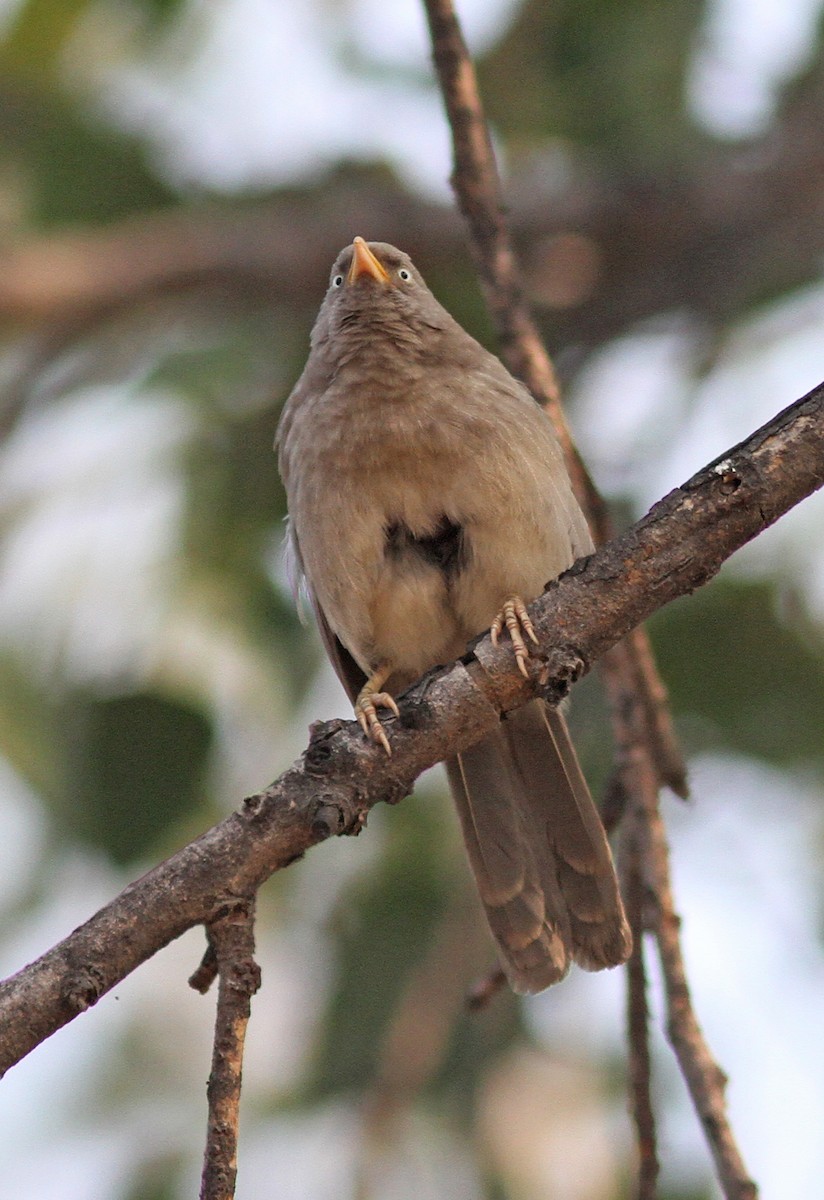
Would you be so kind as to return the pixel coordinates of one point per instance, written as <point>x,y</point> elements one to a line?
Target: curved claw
<point>515,619</point>
<point>366,706</point>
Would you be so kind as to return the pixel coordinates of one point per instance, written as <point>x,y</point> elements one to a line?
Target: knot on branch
<point>84,987</point>
<point>335,747</point>
<point>245,977</point>
<point>561,668</point>
<point>336,814</point>
<point>728,474</point>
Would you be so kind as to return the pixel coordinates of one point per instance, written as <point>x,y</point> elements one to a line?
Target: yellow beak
<point>365,263</point>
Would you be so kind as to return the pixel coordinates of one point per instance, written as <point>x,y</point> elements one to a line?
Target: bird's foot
<point>514,618</point>
<point>368,700</point>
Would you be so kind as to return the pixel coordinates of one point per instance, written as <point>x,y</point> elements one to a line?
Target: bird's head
<point>376,288</point>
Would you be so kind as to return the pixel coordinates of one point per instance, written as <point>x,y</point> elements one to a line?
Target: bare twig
<point>658,726</point>
<point>635,891</point>
<point>679,545</point>
<point>485,989</point>
<point>640,1064</point>
<point>648,894</point>
<point>705,1079</point>
<point>231,934</point>
<point>478,190</point>
<point>206,973</point>
<point>647,747</point>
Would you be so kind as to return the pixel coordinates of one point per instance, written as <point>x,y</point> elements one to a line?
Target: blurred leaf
<point>161,11</point>
<point>74,168</point>
<point>602,74</point>
<point>38,34</point>
<point>30,728</point>
<point>36,39</point>
<point>138,764</point>
<point>755,681</point>
<point>157,1179</point>
<point>386,924</point>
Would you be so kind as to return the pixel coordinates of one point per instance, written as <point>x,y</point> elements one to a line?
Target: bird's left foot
<point>368,700</point>
<point>515,619</point>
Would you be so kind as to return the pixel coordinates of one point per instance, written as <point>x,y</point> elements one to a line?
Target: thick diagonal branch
<point>676,547</point>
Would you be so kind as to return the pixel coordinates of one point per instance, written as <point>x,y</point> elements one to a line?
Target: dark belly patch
<point>443,547</point>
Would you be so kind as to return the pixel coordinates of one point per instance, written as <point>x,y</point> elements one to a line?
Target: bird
<point>428,501</point>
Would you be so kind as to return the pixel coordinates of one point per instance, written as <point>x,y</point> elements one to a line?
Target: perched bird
<point>429,501</point>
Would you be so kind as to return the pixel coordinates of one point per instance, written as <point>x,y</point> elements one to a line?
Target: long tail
<point>538,851</point>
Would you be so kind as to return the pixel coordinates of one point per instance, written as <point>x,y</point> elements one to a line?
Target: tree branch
<point>231,937</point>
<point>679,545</point>
<point>648,753</point>
<point>478,190</point>
<point>640,1061</point>
<point>635,891</point>
<point>758,206</point>
<point>705,1079</point>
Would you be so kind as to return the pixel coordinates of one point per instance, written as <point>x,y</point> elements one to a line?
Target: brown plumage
<point>426,489</point>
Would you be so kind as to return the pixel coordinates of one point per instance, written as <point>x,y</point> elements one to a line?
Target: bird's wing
<point>346,669</point>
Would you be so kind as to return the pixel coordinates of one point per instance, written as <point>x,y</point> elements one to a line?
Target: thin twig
<point>637,695</point>
<point>640,1065</point>
<point>634,888</point>
<point>657,714</point>
<point>231,935</point>
<point>705,1079</point>
<point>477,187</point>
<point>206,973</point>
<point>647,889</point>
<point>484,990</point>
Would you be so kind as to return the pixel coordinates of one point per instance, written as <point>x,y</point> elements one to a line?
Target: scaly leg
<point>365,706</point>
<point>514,617</point>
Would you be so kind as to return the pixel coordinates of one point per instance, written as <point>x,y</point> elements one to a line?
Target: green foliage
<point>137,768</point>
<point>69,164</point>
<point>37,37</point>
<point>123,765</point>
<point>606,75</point>
<point>31,734</point>
<point>160,12</point>
<point>71,167</point>
<point>385,928</point>
<point>751,682</point>
<point>159,1179</point>
<point>34,45</point>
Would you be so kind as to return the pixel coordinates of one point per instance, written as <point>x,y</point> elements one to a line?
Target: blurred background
<point>176,177</point>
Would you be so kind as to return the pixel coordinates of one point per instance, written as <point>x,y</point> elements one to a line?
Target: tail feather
<point>538,850</point>
<point>486,792</point>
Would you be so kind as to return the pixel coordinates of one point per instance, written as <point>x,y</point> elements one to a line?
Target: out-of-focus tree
<point>153,316</point>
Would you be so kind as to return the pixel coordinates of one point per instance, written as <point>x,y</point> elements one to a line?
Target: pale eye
<point>337,281</point>
<point>404,274</point>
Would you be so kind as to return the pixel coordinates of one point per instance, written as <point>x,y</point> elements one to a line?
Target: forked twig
<point>640,714</point>
<point>232,942</point>
<point>477,187</point>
